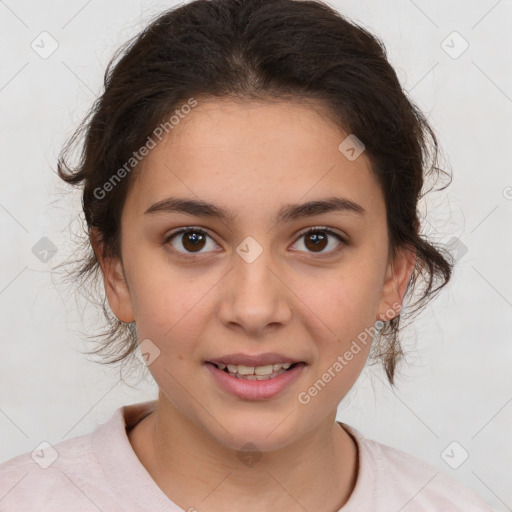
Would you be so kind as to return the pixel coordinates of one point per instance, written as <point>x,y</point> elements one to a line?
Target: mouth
<point>263,381</point>
<point>263,372</point>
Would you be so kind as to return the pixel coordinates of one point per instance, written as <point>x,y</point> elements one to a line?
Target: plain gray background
<point>458,385</point>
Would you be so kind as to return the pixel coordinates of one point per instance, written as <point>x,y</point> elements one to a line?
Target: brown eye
<point>193,241</point>
<point>317,239</point>
<point>188,241</point>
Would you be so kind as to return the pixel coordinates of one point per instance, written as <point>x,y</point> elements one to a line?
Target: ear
<point>398,274</point>
<point>116,287</point>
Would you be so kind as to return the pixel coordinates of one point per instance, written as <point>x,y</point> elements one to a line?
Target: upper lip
<point>254,360</point>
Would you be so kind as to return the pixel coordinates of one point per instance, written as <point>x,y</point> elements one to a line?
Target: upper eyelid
<point>331,231</point>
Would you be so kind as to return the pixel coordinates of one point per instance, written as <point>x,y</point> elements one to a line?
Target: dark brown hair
<point>256,50</point>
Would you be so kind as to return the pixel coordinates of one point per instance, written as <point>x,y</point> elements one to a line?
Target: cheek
<point>349,309</point>
<point>347,301</point>
<point>169,306</point>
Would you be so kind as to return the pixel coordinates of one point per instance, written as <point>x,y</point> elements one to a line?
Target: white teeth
<point>254,371</point>
<point>244,370</point>
<point>264,370</point>
<point>281,365</point>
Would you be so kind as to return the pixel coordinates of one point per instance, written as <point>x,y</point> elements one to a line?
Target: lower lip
<point>255,389</point>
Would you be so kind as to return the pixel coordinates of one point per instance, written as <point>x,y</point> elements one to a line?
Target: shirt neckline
<point>122,467</point>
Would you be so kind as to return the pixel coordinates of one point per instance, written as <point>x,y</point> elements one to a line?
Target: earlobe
<point>116,287</point>
<point>398,274</point>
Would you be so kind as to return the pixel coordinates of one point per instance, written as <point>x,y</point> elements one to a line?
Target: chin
<point>266,431</point>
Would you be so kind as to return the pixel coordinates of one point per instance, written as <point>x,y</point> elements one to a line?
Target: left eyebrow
<point>288,212</point>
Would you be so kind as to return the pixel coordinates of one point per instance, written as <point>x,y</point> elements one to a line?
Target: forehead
<point>233,152</point>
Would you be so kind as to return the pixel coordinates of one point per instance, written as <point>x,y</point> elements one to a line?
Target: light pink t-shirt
<point>100,471</point>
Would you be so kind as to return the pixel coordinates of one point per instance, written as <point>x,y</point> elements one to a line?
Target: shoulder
<point>399,481</point>
<point>67,475</point>
<point>48,475</point>
<point>91,472</point>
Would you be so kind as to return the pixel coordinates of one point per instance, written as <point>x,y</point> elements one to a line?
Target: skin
<point>252,158</point>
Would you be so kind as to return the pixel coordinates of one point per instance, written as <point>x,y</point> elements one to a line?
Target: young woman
<point>250,179</point>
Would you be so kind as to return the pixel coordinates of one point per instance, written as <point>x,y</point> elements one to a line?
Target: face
<point>252,285</point>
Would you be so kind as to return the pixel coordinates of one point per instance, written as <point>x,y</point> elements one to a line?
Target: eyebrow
<point>288,212</point>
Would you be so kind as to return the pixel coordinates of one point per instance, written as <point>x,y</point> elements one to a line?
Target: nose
<point>256,299</point>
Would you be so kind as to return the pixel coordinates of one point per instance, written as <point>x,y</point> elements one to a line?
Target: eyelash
<point>308,231</point>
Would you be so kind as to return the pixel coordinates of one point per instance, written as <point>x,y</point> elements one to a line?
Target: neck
<point>316,472</point>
